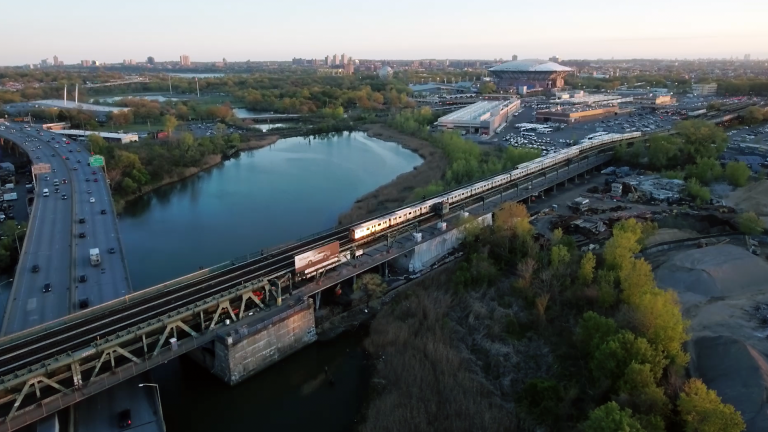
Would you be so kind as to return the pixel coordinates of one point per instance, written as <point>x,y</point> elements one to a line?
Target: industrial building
<point>442,89</point>
<point>704,89</point>
<point>571,115</point>
<point>481,118</point>
<point>525,76</point>
<point>116,138</point>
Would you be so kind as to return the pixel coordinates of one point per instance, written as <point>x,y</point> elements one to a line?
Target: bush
<point>697,192</point>
<point>750,224</point>
<point>541,399</point>
<point>611,418</point>
<point>737,173</point>
<point>703,411</point>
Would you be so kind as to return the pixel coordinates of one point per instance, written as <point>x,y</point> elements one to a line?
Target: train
<point>441,203</point>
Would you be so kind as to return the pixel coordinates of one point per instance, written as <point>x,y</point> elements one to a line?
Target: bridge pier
<point>255,346</point>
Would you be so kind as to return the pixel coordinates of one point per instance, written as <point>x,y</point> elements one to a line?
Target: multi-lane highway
<point>54,241</point>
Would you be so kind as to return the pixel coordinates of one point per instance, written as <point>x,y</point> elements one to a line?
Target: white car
<point>93,200</point>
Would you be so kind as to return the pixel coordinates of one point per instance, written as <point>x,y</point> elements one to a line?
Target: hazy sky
<point>110,31</point>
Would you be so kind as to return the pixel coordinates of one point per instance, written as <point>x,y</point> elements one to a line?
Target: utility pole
<point>169,83</point>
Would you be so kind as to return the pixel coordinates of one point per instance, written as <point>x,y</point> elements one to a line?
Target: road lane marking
<point>31,304</point>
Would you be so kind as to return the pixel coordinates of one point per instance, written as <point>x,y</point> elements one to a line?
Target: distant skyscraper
<point>514,57</point>
<point>151,61</point>
<point>85,62</point>
<point>44,62</point>
<point>747,57</point>
<point>327,60</point>
<point>343,59</point>
<point>184,60</point>
<point>554,59</point>
<point>335,59</point>
<point>129,61</point>
<point>56,60</point>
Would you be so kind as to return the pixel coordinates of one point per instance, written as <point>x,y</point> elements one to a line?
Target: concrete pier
<point>251,348</point>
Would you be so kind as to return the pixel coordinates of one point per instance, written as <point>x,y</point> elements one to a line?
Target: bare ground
<point>397,192</point>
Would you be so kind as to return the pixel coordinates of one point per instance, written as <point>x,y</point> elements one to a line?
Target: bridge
<point>120,82</point>
<point>54,277</point>
<point>245,314</point>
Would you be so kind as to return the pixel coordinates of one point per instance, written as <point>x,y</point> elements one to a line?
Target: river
<point>262,198</point>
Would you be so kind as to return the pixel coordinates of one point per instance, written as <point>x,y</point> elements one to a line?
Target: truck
<point>10,197</point>
<point>579,205</point>
<point>95,257</point>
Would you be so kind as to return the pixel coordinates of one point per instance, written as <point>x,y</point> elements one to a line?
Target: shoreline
<point>397,192</point>
<point>208,162</point>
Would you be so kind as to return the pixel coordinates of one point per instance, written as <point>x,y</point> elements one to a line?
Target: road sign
<point>41,168</point>
<point>96,161</point>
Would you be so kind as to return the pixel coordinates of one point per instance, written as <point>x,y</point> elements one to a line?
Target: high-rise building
<point>129,61</point>
<point>85,62</point>
<point>335,59</point>
<point>554,59</point>
<point>514,57</point>
<point>327,60</point>
<point>747,57</point>
<point>184,60</point>
<point>151,61</point>
<point>44,62</point>
<point>56,61</point>
<point>343,59</point>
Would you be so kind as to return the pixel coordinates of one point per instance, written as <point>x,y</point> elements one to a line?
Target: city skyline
<point>590,31</point>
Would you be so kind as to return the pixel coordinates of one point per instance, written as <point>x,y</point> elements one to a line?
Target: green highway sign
<point>96,161</point>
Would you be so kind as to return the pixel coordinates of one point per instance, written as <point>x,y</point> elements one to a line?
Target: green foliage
<point>700,140</point>
<point>753,115</point>
<point>737,173</point>
<point>487,88</point>
<point>703,411</point>
<point>624,244</point>
<point>606,288</point>
<point>697,192</point>
<point>673,175</point>
<point>541,400</point>
<point>750,224</point>
<point>611,418</point>
<point>706,171</point>
<point>559,256</point>
<point>372,285</point>
<point>430,190</point>
<point>639,385</point>
<point>9,249</point>
<point>594,331</point>
<point>663,151</point>
<point>612,359</point>
<point>587,268</point>
<point>476,272</point>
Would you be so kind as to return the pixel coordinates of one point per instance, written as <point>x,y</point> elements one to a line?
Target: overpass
<point>54,365</point>
<point>54,252</point>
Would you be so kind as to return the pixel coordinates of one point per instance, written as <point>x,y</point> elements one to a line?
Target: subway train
<point>438,203</point>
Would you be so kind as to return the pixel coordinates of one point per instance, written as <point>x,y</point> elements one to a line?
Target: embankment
<point>397,192</point>
<point>208,162</point>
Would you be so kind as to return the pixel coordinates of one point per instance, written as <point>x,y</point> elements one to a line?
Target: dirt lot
<point>397,192</point>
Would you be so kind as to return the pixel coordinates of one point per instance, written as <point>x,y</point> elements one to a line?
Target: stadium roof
<point>530,65</point>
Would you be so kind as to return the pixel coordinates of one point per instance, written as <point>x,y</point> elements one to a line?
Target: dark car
<point>82,278</point>
<point>79,161</point>
<point>53,154</point>
<point>70,150</point>
<point>124,418</point>
<point>63,196</point>
<point>35,268</point>
<point>103,211</point>
<point>66,157</point>
<point>81,235</point>
<point>82,220</point>
<point>93,172</point>
<point>63,181</point>
<point>47,287</point>
<point>84,303</point>
<point>74,167</point>
<point>95,180</point>
<point>111,250</point>
<point>88,179</point>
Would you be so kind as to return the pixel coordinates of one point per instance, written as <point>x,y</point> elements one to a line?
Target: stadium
<point>525,76</point>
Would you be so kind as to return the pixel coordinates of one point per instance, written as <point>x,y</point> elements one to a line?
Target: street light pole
<point>159,403</point>
<point>16,234</point>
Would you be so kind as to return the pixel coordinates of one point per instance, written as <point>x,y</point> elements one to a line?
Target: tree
<point>700,140</point>
<point>541,400</point>
<point>624,244</point>
<point>559,256</point>
<point>737,173</point>
<point>639,384</point>
<point>753,115</point>
<point>557,235</point>
<point>705,171</point>
<point>220,128</point>
<point>612,359</point>
<point>587,268</point>
<point>512,218</point>
<point>128,185</point>
<point>611,418</point>
<point>593,331</point>
<point>695,190</point>
<point>170,123</point>
<point>97,144</point>
<point>487,88</point>
<point>663,151</point>
<point>372,285</point>
<point>750,224</point>
<point>703,411</point>
<point>606,290</point>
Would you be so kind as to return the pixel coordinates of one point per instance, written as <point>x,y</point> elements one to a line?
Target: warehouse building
<point>481,118</point>
<point>116,138</point>
<point>704,89</point>
<point>571,115</point>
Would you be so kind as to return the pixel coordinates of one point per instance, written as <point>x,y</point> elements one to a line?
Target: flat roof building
<point>576,114</point>
<point>704,89</point>
<point>480,118</point>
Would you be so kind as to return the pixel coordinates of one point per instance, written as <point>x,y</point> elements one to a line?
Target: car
<point>82,220</point>
<point>66,142</point>
<point>74,167</point>
<point>81,235</point>
<point>78,149</point>
<point>124,418</point>
<point>63,196</point>
<point>103,211</point>
<point>88,179</point>
<point>56,190</point>
<point>93,200</point>
<point>56,145</point>
<point>84,303</point>
<point>66,157</point>
<point>47,287</point>
<point>79,161</point>
<point>82,278</point>
<point>63,181</point>
<point>96,180</point>
<point>111,250</point>
<point>37,157</point>
<point>52,154</point>
<point>93,172</point>
<point>35,268</point>
<point>89,191</point>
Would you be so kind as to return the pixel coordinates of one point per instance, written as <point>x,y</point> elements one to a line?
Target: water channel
<point>261,199</point>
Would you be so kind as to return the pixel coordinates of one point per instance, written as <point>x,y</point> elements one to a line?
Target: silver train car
<point>397,217</point>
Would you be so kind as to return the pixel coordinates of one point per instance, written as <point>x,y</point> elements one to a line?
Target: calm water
<point>261,199</point>
<point>268,126</point>
<point>246,113</point>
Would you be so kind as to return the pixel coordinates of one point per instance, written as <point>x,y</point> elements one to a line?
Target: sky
<point>110,31</point>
